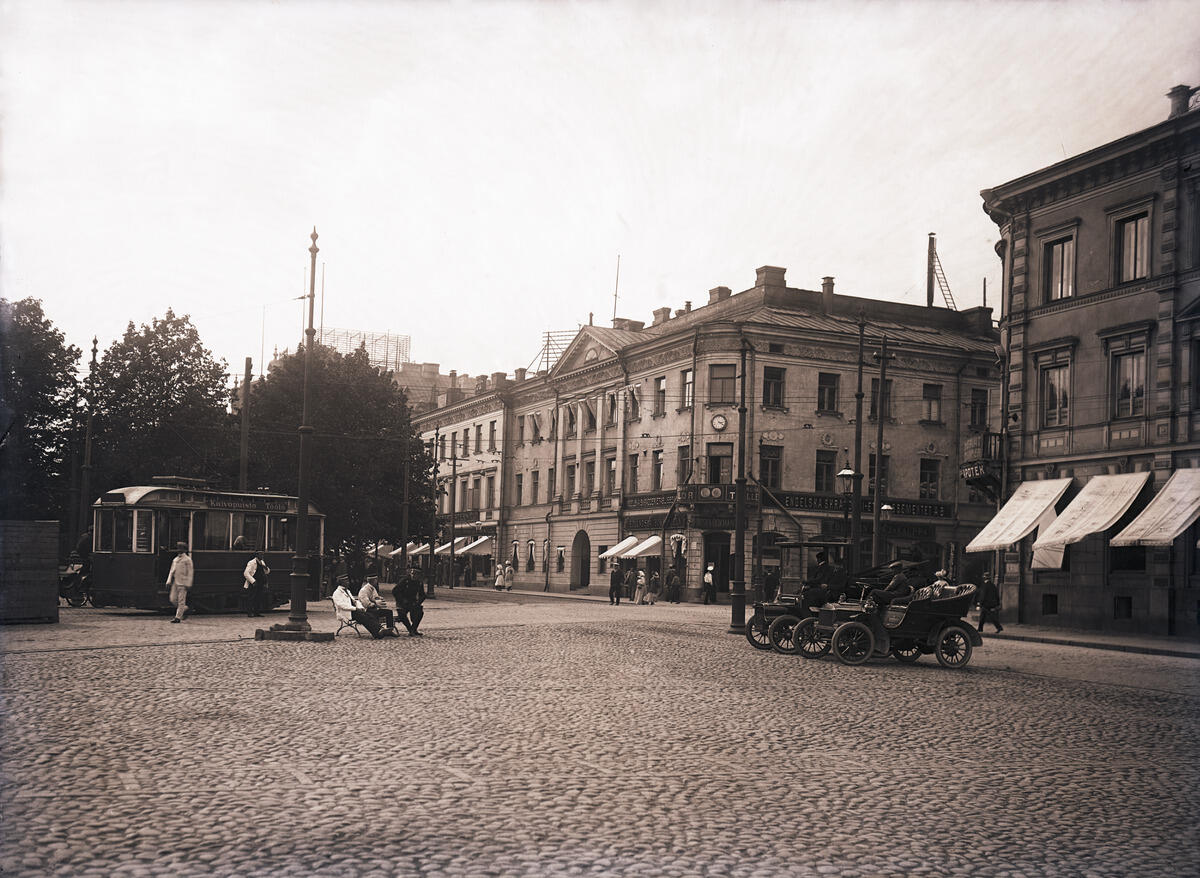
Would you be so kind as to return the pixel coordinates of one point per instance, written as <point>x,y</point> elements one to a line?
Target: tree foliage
<point>161,407</point>
<point>362,437</point>
<point>37,407</point>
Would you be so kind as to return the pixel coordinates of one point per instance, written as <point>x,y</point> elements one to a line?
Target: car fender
<point>936,633</point>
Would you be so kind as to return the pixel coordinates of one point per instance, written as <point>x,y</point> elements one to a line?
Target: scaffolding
<point>554,344</point>
<point>385,350</point>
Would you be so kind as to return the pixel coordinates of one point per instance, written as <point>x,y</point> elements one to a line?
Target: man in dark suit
<point>409,595</point>
<point>989,603</point>
<point>615,584</point>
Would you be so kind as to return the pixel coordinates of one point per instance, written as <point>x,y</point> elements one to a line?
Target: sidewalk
<point>1146,644</point>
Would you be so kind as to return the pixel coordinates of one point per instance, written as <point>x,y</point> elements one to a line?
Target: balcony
<point>982,457</point>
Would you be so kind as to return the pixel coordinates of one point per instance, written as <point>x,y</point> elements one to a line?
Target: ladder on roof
<point>936,273</point>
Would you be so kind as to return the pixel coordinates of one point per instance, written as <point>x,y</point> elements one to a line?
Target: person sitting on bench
<point>347,603</point>
<point>372,602</point>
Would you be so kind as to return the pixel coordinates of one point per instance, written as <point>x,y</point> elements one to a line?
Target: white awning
<point>1019,515</point>
<point>445,549</point>
<point>481,546</point>
<point>411,547</point>
<point>1169,514</point>
<point>420,550</point>
<point>645,547</point>
<point>1098,507</point>
<point>627,543</point>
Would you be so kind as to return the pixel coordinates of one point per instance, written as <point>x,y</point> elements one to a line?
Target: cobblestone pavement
<point>563,738</point>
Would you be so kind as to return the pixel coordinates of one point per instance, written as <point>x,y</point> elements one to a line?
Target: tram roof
<point>135,494</point>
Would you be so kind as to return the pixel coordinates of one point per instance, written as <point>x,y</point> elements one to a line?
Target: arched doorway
<point>581,561</point>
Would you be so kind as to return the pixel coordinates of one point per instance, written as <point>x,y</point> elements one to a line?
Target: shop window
<point>827,392</point>
<point>770,463</point>
<point>1127,559</point>
<point>773,387</point>
<point>1049,604</point>
<point>722,380</point>
<point>1122,606</point>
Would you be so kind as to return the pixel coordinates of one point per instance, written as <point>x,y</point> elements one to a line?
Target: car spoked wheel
<point>853,643</point>
<point>756,633</point>
<point>907,652</point>
<point>809,641</point>
<point>781,634</point>
<point>954,647</point>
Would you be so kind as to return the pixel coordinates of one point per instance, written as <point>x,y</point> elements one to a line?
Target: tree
<point>37,402</point>
<point>362,436</point>
<point>161,407</point>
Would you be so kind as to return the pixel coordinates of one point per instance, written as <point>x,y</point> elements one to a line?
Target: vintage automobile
<point>771,624</point>
<point>930,621</point>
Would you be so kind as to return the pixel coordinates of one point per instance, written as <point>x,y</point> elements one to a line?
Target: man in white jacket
<point>254,577</point>
<point>179,579</point>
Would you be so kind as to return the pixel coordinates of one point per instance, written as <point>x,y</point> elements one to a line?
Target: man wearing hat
<point>710,586</point>
<point>254,577</point>
<point>179,579</point>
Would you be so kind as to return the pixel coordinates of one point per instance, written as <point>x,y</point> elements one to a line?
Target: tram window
<point>105,530</point>
<point>251,527</point>
<point>143,530</point>
<point>173,525</point>
<point>279,534</point>
<point>123,530</point>
<point>314,535</point>
<point>210,530</point>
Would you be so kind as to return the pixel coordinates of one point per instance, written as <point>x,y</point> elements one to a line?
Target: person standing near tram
<point>179,580</point>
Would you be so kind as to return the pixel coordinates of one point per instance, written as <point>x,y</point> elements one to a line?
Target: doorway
<point>581,561</point>
<point>716,553</point>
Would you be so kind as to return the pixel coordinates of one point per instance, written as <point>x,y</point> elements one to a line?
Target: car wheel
<point>953,647</point>
<point>907,652</point>
<point>809,641</point>
<point>756,632</point>
<point>781,634</point>
<point>853,643</point>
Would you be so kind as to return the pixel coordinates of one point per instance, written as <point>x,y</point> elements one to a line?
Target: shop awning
<point>624,545</point>
<point>458,542</point>
<point>481,546</point>
<point>412,548</point>
<point>1019,515</point>
<point>1170,513</point>
<point>647,546</point>
<point>1098,507</point>
<point>420,550</point>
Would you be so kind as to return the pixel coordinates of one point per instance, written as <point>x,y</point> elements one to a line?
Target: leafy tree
<point>362,436</point>
<point>161,407</point>
<point>37,401</point>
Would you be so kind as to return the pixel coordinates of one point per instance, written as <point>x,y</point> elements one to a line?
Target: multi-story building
<point>631,440</point>
<point>1101,326</point>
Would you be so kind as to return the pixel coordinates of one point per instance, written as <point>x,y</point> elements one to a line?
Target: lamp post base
<point>287,631</point>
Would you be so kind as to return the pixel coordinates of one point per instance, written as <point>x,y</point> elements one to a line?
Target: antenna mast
<point>616,286</point>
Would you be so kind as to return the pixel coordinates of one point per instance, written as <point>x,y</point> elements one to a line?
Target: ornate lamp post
<point>847,483</point>
<point>883,407</point>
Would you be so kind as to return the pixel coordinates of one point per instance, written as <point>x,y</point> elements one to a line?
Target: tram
<point>136,529</point>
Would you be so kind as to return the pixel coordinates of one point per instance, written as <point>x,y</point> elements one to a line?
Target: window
<point>442,447</point>
<point>1122,606</point>
<point>683,464</point>
<point>883,478</point>
<point>1128,559</point>
<point>887,398</point>
<point>979,408</point>
<point>520,429</point>
<point>476,496</point>
<point>572,420</point>
<point>931,402</point>
<point>1129,384</point>
<point>529,558</point>
<point>612,408</point>
<point>535,426</point>
<point>174,525</point>
<point>143,527</point>
<point>252,528</point>
<point>827,392</point>
<point>720,463</point>
<point>721,381</point>
<point>560,563</point>
<point>478,438</point>
<point>1049,604</point>
<point>660,396</point>
<point>688,380</point>
<point>589,417</point>
<point>931,471</point>
<point>533,486</point>
<point>570,492</point>
<point>519,489</point>
<point>610,476</point>
<point>123,530</point>
<point>551,484</point>
<point>466,442</point>
<point>545,555</point>
<point>773,387</point>
<point>280,533</point>
<point>635,406</point>
<point>491,492</point>
<point>774,347</point>
<point>826,475</point>
<point>631,474</point>
<point>1133,257</point>
<point>770,465</point>
<point>1060,269</point>
<point>1055,409</point>
<point>656,470</point>
<point>210,530</point>
<point>601,561</point>
<point>492,436</point>
<point>589,478</point>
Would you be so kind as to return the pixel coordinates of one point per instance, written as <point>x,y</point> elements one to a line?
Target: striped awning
<point>645,547</point>
<point>1172,511</point>
<point>1019,516</point>
<point>1100,505</point>
<point>624,545</point>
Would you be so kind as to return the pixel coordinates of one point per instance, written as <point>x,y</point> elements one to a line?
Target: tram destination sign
<point>251,504</point>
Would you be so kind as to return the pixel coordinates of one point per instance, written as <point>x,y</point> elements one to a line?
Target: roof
<point>903,333</point>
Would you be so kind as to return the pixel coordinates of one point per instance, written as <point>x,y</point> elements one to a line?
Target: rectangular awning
<point>420,550</point>
<point>1098,507</point>
<point>1170,513</point>
<point>481,546</point>
<point>1019,516</point>
<point>624,545</point>
<point>411,547</point>
<point>648,546</point>
<point>445,549</point>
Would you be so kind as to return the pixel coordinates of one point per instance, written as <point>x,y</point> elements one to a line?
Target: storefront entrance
<point>581,561</point>
<point>716,553</point>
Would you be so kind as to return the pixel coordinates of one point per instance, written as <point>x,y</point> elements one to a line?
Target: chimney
<point>628,325</point>
<point>661,315</point>
<point>454,378</point>
<point>679,312</point>
<point>718,294</point>
<point>498,379</point>
<point>519,373</point>
<point>1180,95</point>
<point>770,276</point>
<point>827,295</point>
<point>687,306</point>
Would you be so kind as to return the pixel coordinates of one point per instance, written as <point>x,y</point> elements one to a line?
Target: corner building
<point>1101,330</point>
<point>631,439</point>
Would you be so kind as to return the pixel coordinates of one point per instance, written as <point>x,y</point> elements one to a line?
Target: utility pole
<point>453,491</point>
<point>737,591</point>
<point>404,509</point>
<point>243,467</point>
<point>884,399</point>
<point>85,488</point>
<point>853,555</point>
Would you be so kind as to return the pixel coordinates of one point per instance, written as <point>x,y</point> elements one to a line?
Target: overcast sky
<point>474,169</point>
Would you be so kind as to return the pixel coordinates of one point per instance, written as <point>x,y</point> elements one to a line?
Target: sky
<point>475,169</point>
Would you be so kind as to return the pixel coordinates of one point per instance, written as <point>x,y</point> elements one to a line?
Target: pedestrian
<point>710,586</point>
<point>654,589</point>
<point>627,584</point>
<point>409,594</point>
<point>499,583</point>
<point>83,549</point>
<point>254,577</point>
<point>639,596</point>
<point>771,584</point>
<point>673,586</point>
<point>179,579</point>
<point>989,603</point>
<point>614,585</point>
<point>509,575</point>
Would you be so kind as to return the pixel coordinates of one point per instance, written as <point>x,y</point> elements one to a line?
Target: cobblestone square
<point>529,737</point>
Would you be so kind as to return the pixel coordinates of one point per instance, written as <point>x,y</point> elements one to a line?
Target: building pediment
<point>585,350</point>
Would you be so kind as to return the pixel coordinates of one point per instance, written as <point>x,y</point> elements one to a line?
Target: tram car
<point>136,529</point>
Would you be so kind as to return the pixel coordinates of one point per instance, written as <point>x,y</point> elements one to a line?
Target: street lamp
<point>847,480</point>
